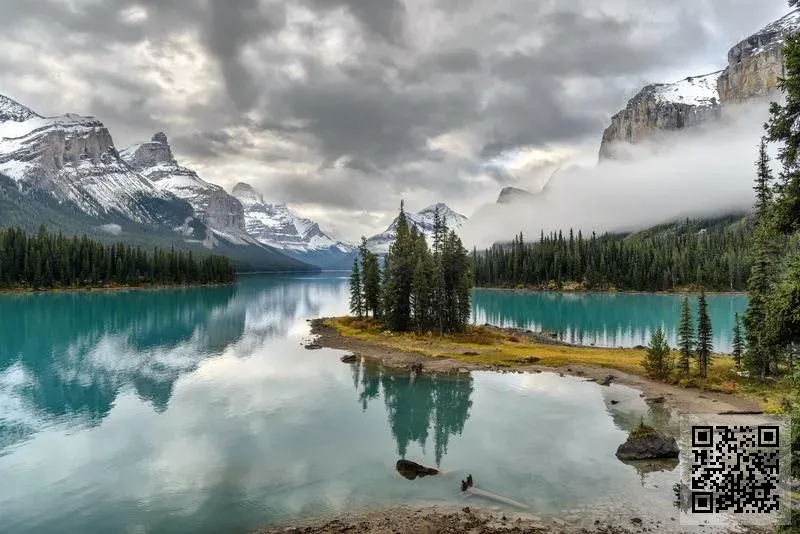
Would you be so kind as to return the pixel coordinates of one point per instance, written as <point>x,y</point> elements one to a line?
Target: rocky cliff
<point>755,63</point>
<point>754,66</point>
<point>211,203</point>
<point>72,159</point>
<point>662,107</point>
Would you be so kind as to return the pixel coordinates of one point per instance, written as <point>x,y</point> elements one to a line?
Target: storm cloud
<point>342,107</point>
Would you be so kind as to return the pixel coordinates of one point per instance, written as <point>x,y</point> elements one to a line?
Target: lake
<point>605,319</point>
<point>199,410</point>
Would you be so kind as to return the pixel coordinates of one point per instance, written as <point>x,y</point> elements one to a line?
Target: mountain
<point>211,203</point>
<point>512,194</point>
<point>65,172</point>
<point>754,65</point>
<point>278,226</point>
<point>422,221</point>
<point>72,159</point>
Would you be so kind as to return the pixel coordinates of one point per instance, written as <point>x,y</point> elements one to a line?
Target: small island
<point>49,261</point>
<point>413,312</point>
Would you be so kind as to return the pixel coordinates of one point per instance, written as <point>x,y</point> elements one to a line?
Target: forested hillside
<point>52,260</point>
<point>710,254</point>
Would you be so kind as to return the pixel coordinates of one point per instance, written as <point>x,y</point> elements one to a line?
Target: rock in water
<point>349,358</point>
<point>651,446</point>
<point>412,470</point>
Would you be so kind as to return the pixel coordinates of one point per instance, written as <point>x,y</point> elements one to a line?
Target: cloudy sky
<point>342,107</point>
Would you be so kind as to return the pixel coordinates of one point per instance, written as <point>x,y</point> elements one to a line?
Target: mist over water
<point>703,172</point>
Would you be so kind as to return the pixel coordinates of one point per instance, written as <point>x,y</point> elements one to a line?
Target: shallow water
<point>199,410</point>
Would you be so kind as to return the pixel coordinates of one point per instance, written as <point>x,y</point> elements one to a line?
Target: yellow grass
<point>496,347</point>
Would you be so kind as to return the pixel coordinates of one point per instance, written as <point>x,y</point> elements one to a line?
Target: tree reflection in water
<point>413,407</point>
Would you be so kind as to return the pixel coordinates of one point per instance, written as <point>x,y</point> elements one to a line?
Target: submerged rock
<point>412,470</point>
<point>313,346</point>
<point>648,447</point>
<point>349,358</point>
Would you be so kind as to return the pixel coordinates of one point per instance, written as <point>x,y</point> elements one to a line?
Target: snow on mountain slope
<point>73,158</point>
<point>211,203</point>
<point>278,226</point>
<point>422,220</point>
<point>694,90</point>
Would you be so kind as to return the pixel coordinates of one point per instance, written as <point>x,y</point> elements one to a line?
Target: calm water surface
<point>605,319</point>
<point>198,410</point>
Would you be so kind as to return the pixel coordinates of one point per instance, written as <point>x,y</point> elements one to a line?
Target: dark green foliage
<point>356,295</point>
<point>686,340</point>
<point>704,336</point>
<point>657,360</point>
<point>419,288</point>
<point>738,340</point>
<point>771,323</point>
<point>52,260</point>
<point>370,279</point>
<point>709,254</point>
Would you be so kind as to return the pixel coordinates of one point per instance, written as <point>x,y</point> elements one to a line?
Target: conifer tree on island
<point>356,296</point>
<point>419,288</point>
<point>704,341</point>
<point>738,340</point>
<point>686,338</point>
<point>657,360</point>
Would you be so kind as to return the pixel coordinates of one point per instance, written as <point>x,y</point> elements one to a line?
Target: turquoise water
<point>605,319</point>
<point>199,410</point>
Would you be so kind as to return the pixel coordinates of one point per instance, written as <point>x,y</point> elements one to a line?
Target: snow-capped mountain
<point>278,226</point>
<point>65,172</point>
<point>422,221</point>
<point>73,159</point>
<point>220,211</point>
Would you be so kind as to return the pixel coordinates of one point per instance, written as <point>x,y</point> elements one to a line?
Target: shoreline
<point>440,518</point>
<point>111,288</point>
<point>682,399</point>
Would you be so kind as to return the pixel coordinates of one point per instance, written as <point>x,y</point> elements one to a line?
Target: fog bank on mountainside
<point>705,172</point>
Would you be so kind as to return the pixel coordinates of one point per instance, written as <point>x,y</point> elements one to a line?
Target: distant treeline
<point>661,259</point>
<point>50,260</point>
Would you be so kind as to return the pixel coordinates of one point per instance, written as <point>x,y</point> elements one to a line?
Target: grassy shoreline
<point>486,347</point>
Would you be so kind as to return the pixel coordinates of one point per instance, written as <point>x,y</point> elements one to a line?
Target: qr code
<point>736,467</point>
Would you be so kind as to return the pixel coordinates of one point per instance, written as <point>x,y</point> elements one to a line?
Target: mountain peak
<point>444,210</point>
<point>246,194</point>
<point>11,110</point>
<point>159,137</point>
<point>510,194</point>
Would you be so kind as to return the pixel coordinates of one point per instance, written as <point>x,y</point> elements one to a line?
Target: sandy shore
<point>684,400</point>
<point>454,520</point>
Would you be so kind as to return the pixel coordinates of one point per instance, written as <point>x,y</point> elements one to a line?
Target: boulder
<point>313,346</point>
<point>606,381</point>
<point>412,470</point>
<point>648,447</point>
<point>349,358</point>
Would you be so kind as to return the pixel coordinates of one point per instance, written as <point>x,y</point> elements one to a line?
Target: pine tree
<point>370,280</point>
<point>657,361</point>
<point>356,296</point>
<point>704,336</point>
<point>738,340</point>
<point>686,338</point>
